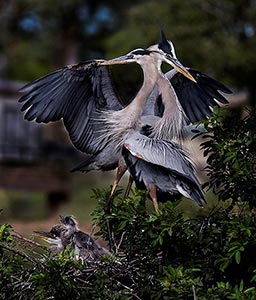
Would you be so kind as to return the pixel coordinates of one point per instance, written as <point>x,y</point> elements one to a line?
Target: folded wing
<point>163,165</point>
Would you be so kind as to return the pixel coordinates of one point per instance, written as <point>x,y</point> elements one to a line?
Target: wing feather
<point>196,99</point>
<point>148,170</point>
<point>75,94</point>
<point>161,153</point>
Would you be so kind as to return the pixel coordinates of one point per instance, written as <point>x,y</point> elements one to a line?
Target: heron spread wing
<point>197,99</point>
<point>75,94</point>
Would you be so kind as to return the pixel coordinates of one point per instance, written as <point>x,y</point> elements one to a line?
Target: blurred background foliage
<point>217,37</point>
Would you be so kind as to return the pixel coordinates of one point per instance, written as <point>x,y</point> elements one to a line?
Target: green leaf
<point>238,257</point>
<point>251,289</point>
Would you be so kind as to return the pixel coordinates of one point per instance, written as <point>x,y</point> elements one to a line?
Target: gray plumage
<point>83,244</point>
<point>105,160</point>
<point>75,94</point>
<point>55,237</point>
<point>173,104</point>
<point>96,119</point>
<point>161,164</point>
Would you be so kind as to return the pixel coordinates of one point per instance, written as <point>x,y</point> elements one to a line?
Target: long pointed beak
<point>179,67</point>
<point>44,234</point>
<point>124,59</point>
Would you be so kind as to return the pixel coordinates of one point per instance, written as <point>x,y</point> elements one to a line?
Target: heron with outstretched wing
<point>83,96</point>
<point>95,117</point>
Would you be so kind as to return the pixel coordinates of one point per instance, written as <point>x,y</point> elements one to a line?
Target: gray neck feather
<point>170,126</point>
<point>120,123</point>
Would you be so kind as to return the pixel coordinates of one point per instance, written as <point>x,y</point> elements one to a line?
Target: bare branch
<point>18,252</point>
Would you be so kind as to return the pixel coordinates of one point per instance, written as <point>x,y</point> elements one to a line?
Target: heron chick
<point>55,237</point>
<point>83,244</point>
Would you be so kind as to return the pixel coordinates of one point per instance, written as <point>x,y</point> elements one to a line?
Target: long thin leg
<point>119,174</point>
<point>152,192</point>
<point>129,186</point>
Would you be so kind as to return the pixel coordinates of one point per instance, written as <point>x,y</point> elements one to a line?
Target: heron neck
<point>123,121</point>
<point>172,122</point>
<point>169,97</point>
<point>150,78</point>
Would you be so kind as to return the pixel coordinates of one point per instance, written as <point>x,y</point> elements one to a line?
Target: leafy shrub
<point>156,255</point>
<point>231,146</point>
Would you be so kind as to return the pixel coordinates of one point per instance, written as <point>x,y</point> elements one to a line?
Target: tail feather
<point>197,196</point>
<point>193,192</point>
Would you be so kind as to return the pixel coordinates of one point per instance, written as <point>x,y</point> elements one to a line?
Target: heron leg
<point>129,186</point>
<point>152,192</point>
<point>119,174</point>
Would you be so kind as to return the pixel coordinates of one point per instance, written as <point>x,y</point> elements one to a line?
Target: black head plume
<point>164,45</point>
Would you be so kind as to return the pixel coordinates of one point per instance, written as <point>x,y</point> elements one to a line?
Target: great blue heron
<point>174,102</point>
<point>83,244</point>
<point>82,95</point>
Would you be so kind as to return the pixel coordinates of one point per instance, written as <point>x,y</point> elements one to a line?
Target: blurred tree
<point>39,36</point>
<point>217,37</point>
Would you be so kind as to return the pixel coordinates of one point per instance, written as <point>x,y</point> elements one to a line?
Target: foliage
<point>156,255</point>
<point>162,255</point>
<point>231,146</point>
<point>225,31</point>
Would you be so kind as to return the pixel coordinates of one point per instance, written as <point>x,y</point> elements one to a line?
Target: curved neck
<point>151,74</point>
<point>172,122</point>
<point>169,97</point>
<point>121,122</point>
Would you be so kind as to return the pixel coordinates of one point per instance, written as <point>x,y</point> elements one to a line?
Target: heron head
<point>166,51</point>
<point>69,221</point>
<point>137,56</point>
<point>166,46</point>
<point>52,236</point>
